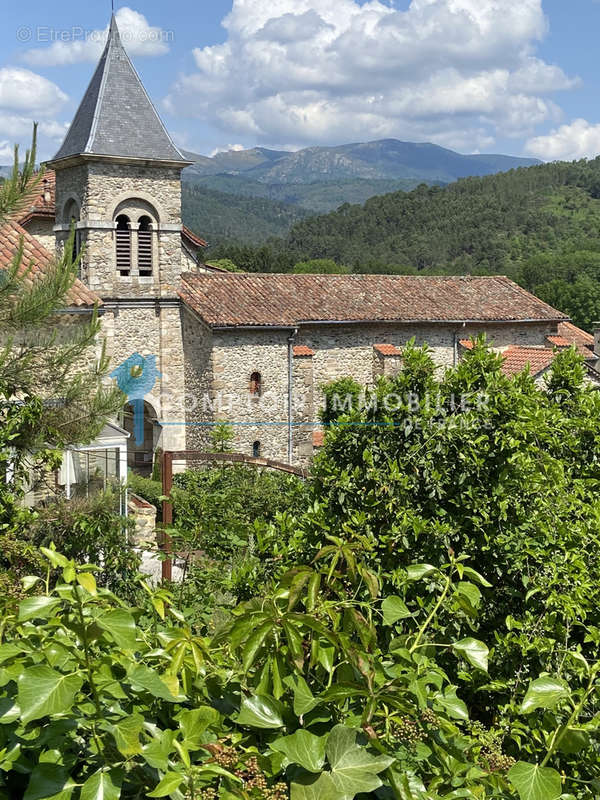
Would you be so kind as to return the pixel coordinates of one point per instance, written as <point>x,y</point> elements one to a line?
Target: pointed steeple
<point>116,117</point>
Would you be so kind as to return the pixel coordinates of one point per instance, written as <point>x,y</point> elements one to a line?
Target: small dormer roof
<point>116,117</point>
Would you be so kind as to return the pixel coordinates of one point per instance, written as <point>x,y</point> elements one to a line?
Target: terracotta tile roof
<point>43,203</point>
<point>387,349</point>
<point>558,341</point>
<point>302,350</point>
<point>318,438</point>
<point>516,358</point>
<point>286,300</point>
<point>575,334</point>
<point>40,260</point>
<point>191,237</point>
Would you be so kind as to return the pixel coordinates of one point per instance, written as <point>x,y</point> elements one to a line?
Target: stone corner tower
<point>118,178</point>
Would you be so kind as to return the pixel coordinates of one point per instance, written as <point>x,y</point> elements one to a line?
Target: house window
<point>145,247</point>
<point>256,449</point>
<point>255,384</point>
<point>123,240</point>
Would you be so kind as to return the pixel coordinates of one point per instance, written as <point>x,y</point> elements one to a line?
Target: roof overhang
<point>83,158</point>
<point>287,326</point>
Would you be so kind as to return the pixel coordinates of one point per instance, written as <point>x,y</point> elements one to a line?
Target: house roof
<point>191,237</point>
<point>116,117</point>
<point>233,299</point>
<point>575,334</point>
<point>44,202</point>
<point>37,260</point>
<point>302,351</point>
<point>517,358</point>
<point>387,350</point>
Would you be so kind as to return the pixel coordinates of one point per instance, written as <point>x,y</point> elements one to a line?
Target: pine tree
<point>52,367</point>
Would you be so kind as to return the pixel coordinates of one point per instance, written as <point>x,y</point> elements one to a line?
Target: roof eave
<point>380,321</point>
<point>81,158</point>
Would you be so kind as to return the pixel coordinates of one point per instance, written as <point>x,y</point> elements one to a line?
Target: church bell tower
<point>118,179</point>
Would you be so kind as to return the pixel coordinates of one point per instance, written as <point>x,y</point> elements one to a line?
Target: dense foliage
<point>539,225</point>
<point>427,628</point>
<point>222,217</point>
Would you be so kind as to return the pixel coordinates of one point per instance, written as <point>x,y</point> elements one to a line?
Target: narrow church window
<point>145,247</point>
<point>256,449</point>
<point>256,384</point>
<point>123,239</point>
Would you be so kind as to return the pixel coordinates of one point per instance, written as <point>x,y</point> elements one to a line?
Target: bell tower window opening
<point>71,216</point>
<point>145,247</point>
<point>123,243</point>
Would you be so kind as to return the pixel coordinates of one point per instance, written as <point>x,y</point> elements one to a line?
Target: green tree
<point>51,375</point>
<point>321,266</point>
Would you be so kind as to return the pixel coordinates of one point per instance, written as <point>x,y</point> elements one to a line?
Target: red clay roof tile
<point>302,350</point>
<point>37,260</point>
<point>387,349</point>
<point>232,299</point>
<point>517,358</point>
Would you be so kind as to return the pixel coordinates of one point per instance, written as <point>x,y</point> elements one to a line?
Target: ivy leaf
<point>533,782</point>
<point>475,576</point>
<point>170,782</point>
<point>544,692</point>
<point>353,769</point>
<point>304,700</point>
<point>37,607</point>
<point>254,643</point>
<point>87,580</point>
<point>302,748</point>
<point>102,786</point>
<point>149,680</point>
<point>320,789</point>
<point>574,740</point>
<point>121,626</point>
<point>193,723</point>
<point>156,753</point>
<point>260,711</point>
<point>127,734</point>
<point>417,572</point>
<point>49,782</point>
<point>474,651</point>
<point>44,692</point>
<point>452,704</point>
<point>394,608</point>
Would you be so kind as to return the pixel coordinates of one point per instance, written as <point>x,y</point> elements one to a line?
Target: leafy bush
<point>148,489</point>
<point>323,689</point>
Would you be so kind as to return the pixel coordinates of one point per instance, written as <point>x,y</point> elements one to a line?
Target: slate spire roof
<point>116,117</point>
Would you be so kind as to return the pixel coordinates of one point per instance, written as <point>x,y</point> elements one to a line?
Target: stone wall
<point>42,228</point>
<point>98,189</point>
<point>218,365</point>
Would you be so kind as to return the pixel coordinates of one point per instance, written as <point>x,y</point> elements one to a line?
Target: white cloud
<point>22,90</point>
<point>6,153</point>
<point>579,139</point>
<point>456,72</point>
<point>139,37</point>
<point>230,147</point>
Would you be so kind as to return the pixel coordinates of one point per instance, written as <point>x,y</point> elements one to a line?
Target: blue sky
<point>512,76</point>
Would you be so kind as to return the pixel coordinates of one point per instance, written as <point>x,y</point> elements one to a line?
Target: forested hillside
<point>220,217</point>
<point>540,225</point>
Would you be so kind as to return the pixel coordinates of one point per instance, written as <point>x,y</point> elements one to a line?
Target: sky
<point>495,76</point>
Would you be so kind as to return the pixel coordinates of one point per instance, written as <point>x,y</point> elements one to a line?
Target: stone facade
<point>219,365</point>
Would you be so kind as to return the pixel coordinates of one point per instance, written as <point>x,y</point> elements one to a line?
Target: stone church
<point>251,349</point>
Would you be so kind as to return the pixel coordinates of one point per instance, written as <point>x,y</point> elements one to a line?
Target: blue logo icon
<point>135,378</point>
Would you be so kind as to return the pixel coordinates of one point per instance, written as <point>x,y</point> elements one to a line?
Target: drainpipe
<point>456,335</point>
<point>290,340</point>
